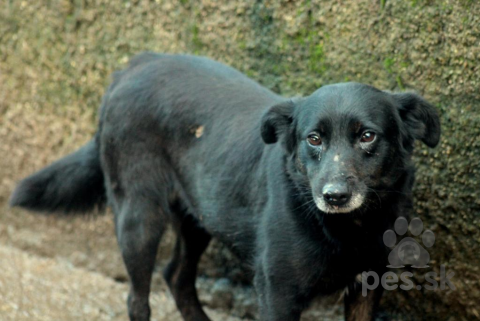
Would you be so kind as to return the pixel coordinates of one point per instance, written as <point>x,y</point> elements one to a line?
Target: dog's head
<point>348,141</point>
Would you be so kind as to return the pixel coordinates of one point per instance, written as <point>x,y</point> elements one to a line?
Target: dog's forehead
<point>346,99</point>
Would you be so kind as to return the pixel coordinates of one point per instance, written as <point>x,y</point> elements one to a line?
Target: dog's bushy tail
<point>73,184</point>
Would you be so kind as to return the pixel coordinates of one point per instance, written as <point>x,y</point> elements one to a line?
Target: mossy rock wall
<point>56,58</point>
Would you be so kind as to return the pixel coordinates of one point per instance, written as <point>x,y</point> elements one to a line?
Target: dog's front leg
<point>359,307</point>
<point>278,299</point>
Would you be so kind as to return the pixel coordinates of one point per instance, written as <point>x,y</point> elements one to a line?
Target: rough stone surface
<point>56,57</point>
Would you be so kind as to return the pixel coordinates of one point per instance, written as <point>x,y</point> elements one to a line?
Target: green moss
<point>388,64</point>
<point>196,42</point>
<point>317,58</point>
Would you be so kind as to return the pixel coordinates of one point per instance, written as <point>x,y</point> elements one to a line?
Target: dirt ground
<point>68,269</point>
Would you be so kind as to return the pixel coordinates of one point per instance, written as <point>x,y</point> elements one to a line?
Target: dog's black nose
<point>336,194</point>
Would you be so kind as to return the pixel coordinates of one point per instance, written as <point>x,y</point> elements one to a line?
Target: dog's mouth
<point>354,203</point>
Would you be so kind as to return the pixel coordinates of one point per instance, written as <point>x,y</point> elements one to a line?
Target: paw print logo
<point>408,251</point>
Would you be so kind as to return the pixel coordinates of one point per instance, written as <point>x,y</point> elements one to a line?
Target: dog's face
<point>347,142</point>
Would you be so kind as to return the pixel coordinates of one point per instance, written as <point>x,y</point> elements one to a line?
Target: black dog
<point>180,142</point>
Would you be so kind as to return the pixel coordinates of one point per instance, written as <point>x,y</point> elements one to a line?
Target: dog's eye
<point>314,139</point>
<point>368,137</point>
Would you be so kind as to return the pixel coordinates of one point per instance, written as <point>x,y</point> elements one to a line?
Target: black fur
<point>180,142</point>
<point>71,184</point>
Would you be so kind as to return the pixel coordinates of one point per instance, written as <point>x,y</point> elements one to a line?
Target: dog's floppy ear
<point>420,118</point>
<point>277,121</point>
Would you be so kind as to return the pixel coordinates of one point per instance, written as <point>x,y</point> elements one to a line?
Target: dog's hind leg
<point>139,225</point>
<point>180,274</point>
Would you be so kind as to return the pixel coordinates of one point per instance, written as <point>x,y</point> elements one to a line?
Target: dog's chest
<point>338,264</point>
